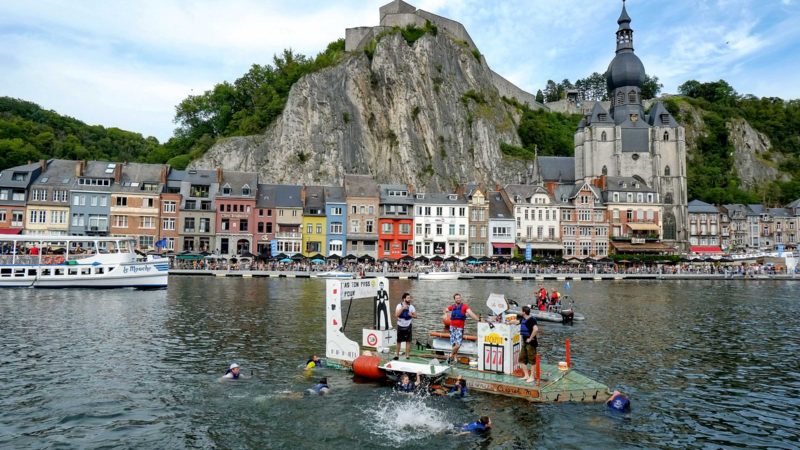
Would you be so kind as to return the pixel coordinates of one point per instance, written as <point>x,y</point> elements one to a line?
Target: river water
<point>707,364</point>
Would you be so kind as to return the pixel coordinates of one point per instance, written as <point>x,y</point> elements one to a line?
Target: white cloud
<point>128,64</point>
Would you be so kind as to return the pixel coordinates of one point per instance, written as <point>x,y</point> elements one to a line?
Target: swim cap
<point>234,366</point>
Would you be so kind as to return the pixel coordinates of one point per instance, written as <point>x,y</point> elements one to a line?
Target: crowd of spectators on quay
<point>732,269</point>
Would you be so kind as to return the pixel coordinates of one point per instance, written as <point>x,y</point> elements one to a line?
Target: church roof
<point>599,115</point>
<point>556,168</point>
<point>659,116</point>
<point>624,20</point>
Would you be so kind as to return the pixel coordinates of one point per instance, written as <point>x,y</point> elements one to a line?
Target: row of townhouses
<point>738,228</point>
<point>231,213</point>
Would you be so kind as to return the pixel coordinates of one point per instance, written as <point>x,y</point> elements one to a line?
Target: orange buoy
<point>367,367</point>
<point>446,322</point>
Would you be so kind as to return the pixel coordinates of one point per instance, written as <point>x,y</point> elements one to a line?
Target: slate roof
<point>755,210</point>
<point>524,191</point>
<point>315,199</point>
<point>334,194</point>
<point>697,206</point>
<point>556,168</point>
<point>660,117</point>
<point>779,212</point>
<point>385,198</point>
<point>134,175</point>
<point>627,184</point>
<point>237,181</point>
<point>60,173</point>
<point>266,196</point>
<point>288,196</point>
<point>439,198</point>
<point>599,116</point>
<point>360,186</point>
<point>497,207</point>
<point>6,176</point>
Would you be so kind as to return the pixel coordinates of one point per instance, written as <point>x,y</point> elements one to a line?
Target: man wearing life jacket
<point>458,315</point>
<point>555,297</point>
<point>528,331</point>
<point>404,313</point>
<point>314,361</point>
<point>542,296</point>
<point>405,384</point>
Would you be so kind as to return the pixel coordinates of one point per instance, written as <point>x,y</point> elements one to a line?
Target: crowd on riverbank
<point>511,267</point>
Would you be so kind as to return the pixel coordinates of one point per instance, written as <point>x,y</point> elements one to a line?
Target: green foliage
<point>346,117</point>
<point>471,94</point>
<point>248,105</point>
<point>476,54</point>
<point>651,87</point>
<point>549,132</point>
<point>516,152</point>
<point>594,87</point>
<point>777,118</point>
<point>30,133</point>
<point>411,33</point>
<point>539,96</point>
<point>415,112</point>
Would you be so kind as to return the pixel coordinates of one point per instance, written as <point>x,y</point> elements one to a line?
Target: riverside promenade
<point>499,276</point>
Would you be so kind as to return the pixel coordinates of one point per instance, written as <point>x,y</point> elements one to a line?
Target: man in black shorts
<point>404,313</point>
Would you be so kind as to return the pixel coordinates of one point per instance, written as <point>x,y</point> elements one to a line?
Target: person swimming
<point>314,361</point>
<point>619,402</point>
<point>320,388</point>
<point>482,425</point>
<point>232,373</point>
<point>405,385</point>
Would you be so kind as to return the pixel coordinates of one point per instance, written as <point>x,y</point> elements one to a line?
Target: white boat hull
<point>335,275</point>
<point>438,276</point>
<point>145,275</point>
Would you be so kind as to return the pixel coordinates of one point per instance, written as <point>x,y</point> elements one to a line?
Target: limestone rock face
<point>751,149</point>
<point>428,115</point>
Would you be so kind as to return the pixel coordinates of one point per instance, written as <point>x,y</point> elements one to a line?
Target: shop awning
<point>542,246</point>
<point>10,230</point>
<point>502,245</point>
<point>643,226</point>
<point>706,249</point>
<point>189,257</point>
<point>648,247</point>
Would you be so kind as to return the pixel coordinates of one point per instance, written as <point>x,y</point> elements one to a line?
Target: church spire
<point>625,32</point>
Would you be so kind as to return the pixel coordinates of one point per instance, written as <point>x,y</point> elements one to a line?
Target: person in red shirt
<point>458,316</point>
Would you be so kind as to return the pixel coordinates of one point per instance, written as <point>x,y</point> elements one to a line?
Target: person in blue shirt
<point>320,388</point>
<point>619,402</point>
<point>481,425</point>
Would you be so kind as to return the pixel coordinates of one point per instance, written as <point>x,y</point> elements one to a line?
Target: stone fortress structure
<point>623,141</point>
<point>400,14</point>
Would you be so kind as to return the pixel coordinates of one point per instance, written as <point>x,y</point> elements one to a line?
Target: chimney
<point>43,164</point>
<point>80,167</point>
<point>303,195</point>
<point>220,178</point>
<point>164,173</point>
<point>118,173</point>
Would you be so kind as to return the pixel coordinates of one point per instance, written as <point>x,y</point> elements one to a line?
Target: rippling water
<point>707,365</point>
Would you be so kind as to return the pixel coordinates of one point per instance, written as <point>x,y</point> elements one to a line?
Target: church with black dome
<point>625,144</point>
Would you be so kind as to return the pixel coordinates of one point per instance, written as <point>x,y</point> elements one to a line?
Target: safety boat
<point>78,262</point>
<point>493,367</point>
<point>559,313</point>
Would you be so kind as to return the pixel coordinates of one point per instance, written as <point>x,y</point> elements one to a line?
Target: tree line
<point>593,87</point>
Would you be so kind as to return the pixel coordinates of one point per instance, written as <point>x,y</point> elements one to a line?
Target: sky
<point>127,64</point>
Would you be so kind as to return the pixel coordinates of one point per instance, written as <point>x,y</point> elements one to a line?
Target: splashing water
<point>402,418</point>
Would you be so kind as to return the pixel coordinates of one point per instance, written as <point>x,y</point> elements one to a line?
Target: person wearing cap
<point>232,373</point>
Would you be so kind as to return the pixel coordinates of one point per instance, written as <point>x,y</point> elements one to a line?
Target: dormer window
<point>453,197</point>
<point>620,98</point>
<point>420,196</point>
<point>602,118</point>
<point>226,190</point>
<point>246,190</point>
<point>665,119</point>
<point>517,199</point>
<point>19,176</point>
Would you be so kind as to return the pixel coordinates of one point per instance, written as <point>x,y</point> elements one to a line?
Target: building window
<point>666,135</point>
<point>148,222</point>
<point>354,226</point>
<point>121,221</point>
<point>169,207</point>
<point>336,211</point>
<point>620,98</point>
<point>666,171</point>
<point>169,224</point>
<point>670,231</point>
<point>668,198</point>
<point>632,97</point>
<point>405,228</point>
<point>369,226</point>
<point>387,228</point>
<point>121,201</point>
<point>603,137</point>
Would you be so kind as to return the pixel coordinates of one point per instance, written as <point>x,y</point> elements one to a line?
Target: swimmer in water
<point>314,361</point>
<point>320,388</point>
<point>405,384</point>
<point>619,402</point>
<point>232,373</point>
<point>481,425</point>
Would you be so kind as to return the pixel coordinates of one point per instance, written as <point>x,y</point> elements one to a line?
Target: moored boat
<point>434,275</point>
<point>78,262</point>
<point>335,275</point>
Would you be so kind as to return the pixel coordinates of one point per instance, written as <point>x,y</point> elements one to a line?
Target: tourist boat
<point>78,262</point>
<point>335,275</point>
<point>433,274</point>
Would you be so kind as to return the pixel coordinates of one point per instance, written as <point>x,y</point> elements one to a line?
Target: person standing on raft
<point>404,313</point>
<point>458,315</point>
<point>528,331</point>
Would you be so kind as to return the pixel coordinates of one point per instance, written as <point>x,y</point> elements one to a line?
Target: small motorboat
<point>431,275</point>
<point>335,275</point>
<point>559,313</point>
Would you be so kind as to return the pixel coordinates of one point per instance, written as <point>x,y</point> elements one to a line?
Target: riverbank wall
<point>495,276</point>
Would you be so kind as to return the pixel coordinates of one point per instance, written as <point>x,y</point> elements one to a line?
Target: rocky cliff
<point>426,114</point>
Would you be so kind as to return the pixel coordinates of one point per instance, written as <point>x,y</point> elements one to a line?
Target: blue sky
<point>127,64</point>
